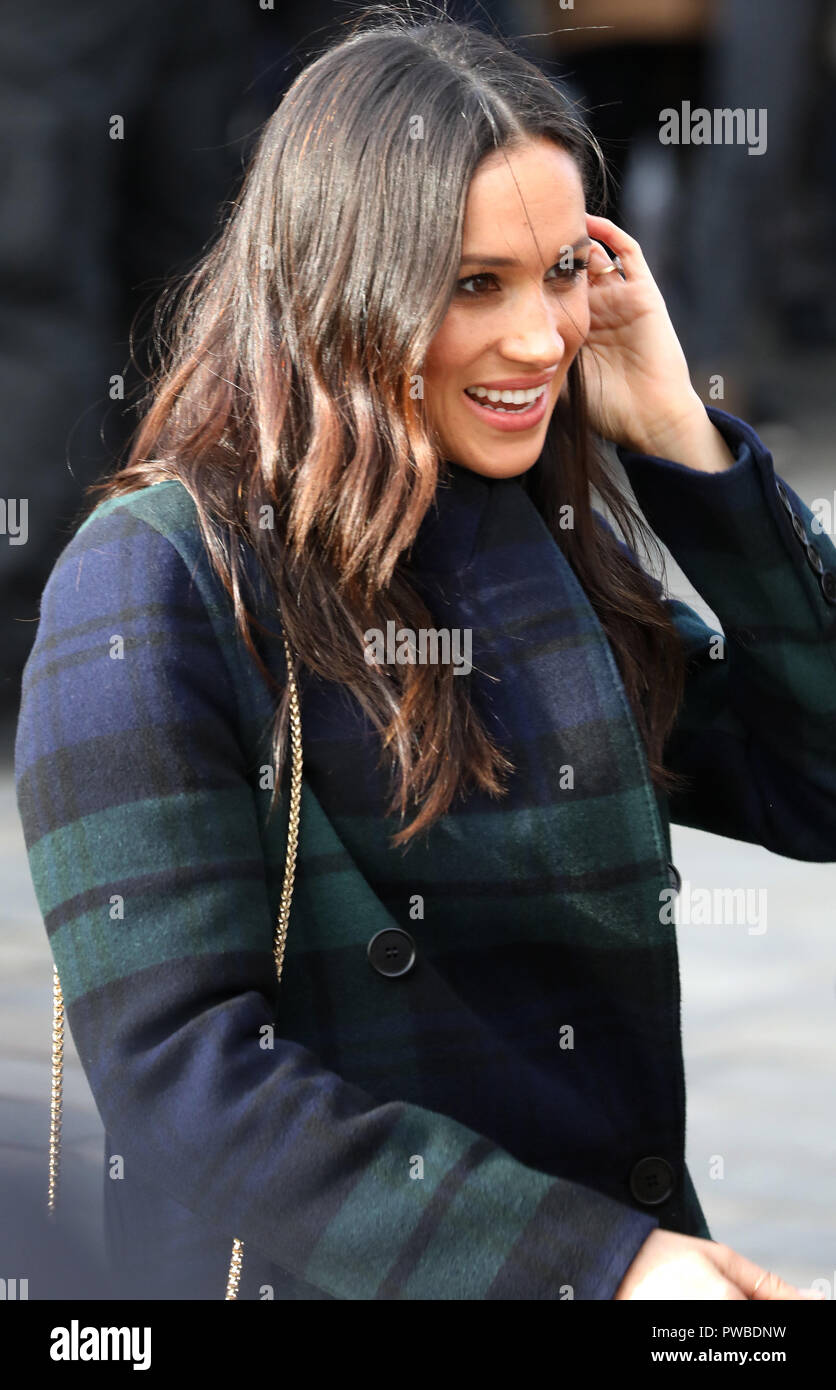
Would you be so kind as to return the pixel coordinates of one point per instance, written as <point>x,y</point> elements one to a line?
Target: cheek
<point>449,352</point>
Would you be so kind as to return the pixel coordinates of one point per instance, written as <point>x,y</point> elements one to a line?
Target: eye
<point>566,276</point>
<point>569,274</point>
<point>471,280</point>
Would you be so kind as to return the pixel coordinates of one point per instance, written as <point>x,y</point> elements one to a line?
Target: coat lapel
<point>531,914</point>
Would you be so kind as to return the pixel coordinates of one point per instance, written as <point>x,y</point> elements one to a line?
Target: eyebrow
<point>473,257</point>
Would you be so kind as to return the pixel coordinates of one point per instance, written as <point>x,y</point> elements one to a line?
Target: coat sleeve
<point>143,842</point>
<point>756,733</point>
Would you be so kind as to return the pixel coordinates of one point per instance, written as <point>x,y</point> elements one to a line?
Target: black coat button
<point>828,585</point>
<point>674,878</point>
<point>799,528</point>
<point>652,1181</point>
<point>814,559</point>
<point>783,494</point>
<point>391,951</point>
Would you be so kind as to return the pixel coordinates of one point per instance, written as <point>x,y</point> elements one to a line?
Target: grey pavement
<point>759,1006</point>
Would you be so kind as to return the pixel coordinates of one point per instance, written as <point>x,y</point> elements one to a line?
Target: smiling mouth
<point>507,402</point>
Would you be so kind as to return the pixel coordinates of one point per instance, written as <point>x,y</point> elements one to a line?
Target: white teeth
<point>485,393</point>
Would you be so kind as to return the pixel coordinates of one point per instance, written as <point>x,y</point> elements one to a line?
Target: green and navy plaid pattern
<point>470,1129</point>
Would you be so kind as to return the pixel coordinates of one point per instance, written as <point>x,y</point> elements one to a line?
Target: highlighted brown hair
<point>286,361</point>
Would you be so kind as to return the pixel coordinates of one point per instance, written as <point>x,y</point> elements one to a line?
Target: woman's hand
<point>673,1266</point>
<point>637,380</point>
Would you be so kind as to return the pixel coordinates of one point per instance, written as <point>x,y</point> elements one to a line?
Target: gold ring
<point>615,264</point>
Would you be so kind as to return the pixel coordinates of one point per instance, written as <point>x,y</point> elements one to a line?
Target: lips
<point>517,383</point>
<point>509,414</point>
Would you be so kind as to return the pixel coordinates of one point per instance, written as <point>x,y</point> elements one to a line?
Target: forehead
<point>538,182</point>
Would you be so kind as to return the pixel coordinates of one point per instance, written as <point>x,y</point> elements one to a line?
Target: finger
<point>746,1274</point>
<point>623,245</point>
<point>600,263</point>
<point>774,1288</point>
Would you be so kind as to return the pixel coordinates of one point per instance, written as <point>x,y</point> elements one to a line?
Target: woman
<point>469,1081</point>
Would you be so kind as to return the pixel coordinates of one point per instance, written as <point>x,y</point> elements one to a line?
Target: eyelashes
<point>567,276</point>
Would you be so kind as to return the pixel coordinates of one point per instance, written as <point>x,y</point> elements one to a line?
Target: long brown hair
<point>285,381</point>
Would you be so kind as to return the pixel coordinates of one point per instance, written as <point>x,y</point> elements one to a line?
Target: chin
<point>509,466</point>
<point>500,470</point>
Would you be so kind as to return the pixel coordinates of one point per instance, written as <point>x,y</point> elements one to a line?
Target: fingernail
<point>811,1293</point>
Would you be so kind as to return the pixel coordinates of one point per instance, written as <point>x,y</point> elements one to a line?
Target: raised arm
<point>757,729</point>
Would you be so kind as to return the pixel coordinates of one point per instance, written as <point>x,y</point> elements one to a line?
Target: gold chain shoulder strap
<point>237,1257</point>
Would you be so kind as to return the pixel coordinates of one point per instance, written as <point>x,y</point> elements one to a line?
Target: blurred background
<point>97,214</point>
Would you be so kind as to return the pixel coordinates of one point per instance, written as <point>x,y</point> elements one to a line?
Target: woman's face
<point>515,325</point>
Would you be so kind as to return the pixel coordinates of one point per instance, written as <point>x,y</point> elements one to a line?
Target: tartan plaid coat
<point>489,1102</point>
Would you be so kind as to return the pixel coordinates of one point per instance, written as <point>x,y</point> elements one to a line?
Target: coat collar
<point>449,533</point>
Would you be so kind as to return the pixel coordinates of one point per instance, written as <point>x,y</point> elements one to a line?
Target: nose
<point>533,332</point>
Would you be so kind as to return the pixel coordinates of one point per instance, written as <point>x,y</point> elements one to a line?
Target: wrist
<point>668,429</point>
<point>689,438</point>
